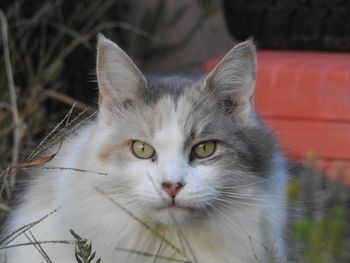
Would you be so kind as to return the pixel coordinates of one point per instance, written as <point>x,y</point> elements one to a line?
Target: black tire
<point>291,24</point>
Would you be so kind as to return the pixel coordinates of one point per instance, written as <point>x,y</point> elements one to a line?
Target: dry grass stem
<point>253,250</point>
<point>64,242</point>
<point>38,247</point>
<point>4,187</point>
<point>18,130</point>
<point>146,254</point>
<point>37,150</point>
<point>36,18</point>
<point>12,236</point>
<point>65,99</point>
<point>158,252</point>
<point>68,130</point>
<point>72,169</point>
<point>37,162</point>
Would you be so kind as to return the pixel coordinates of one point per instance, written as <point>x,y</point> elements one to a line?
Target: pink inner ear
<point>105,100</point>
<point>103,95</point>
<point>100,99</point>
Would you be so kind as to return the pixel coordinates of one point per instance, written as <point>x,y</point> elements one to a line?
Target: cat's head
<point>179,148</point>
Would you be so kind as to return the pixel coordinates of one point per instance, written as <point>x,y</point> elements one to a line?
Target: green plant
<point>293,191</point>
<point>83,250</point>
<point>324,238</point>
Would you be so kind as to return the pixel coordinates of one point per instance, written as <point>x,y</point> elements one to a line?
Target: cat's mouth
<point>178,212</point>
<point>175,206</point>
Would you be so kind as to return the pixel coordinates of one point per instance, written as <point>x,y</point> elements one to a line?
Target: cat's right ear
<point>233,79</point>
<point>120,81</point>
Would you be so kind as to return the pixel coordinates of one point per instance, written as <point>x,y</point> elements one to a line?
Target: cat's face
<point>180,149</point>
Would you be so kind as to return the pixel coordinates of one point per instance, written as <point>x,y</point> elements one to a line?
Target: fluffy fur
<point>231,208</point>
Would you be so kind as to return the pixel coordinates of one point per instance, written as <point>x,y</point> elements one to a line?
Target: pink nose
<point>172,189</point>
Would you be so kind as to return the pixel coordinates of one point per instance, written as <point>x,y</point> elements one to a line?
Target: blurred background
<point>303,89</point>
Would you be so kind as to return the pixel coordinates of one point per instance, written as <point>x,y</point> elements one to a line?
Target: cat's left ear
<point>234,79</point>
<point>120,81</point>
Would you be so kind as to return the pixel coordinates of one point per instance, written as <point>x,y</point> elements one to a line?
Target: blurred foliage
<point>323,238</point>
<point>293,191</point>
<point>318,216</point>
<point>159,20</point>
<point>51,49</point>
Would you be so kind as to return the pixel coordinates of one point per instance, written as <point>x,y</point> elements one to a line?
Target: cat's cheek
<point>205,175</point>
<point>199,188</point>
<point>144,182</point>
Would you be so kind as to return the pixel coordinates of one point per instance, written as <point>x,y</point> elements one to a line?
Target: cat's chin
<point>171,215</point>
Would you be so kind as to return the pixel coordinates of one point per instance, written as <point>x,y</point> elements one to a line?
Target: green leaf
<point>77,258</point>
<point>75,235</point>
<point>92,257</point>
<point>83,250</point>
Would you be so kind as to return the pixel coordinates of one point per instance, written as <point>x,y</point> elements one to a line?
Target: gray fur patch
<point>159,86</point>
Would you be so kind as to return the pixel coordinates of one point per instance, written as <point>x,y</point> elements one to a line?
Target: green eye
<point>142,150</point>
<point>204,149</point>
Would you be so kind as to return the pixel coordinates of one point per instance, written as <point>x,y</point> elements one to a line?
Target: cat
<point>186,170</point>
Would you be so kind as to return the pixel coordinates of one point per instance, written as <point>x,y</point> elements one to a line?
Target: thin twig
<point>38,247</point>
<point>253,250</point>
<point>68,130</point>
<point>24,228</point>
<point>65,99</point>
<point>72,169</point>
<point>85,37</point>
<point>37,16</point>
<point>146,254</point>
<point>38,162</point>
<point>4,184</point>
<point>41,248</point>
<point>65,242</point>
<point>158,252</point>
<point>17,135</point>
<point>37,148</point>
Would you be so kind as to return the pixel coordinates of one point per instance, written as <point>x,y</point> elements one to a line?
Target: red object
<point>305,98</point>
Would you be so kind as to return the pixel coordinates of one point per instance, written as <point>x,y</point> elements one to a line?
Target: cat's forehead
<point>168,86</point>
<point>171,114</point>
<point>174,107</point>
<point>178,107</point>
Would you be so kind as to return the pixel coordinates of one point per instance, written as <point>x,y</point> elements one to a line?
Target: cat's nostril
<point>172,189</point>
